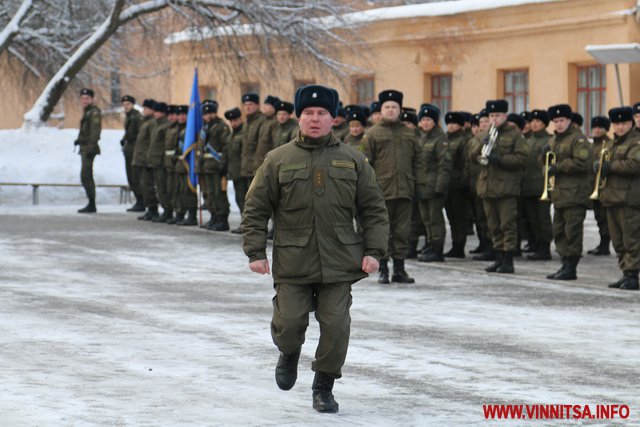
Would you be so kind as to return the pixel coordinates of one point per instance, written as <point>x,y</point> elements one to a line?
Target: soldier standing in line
<point>233,154</point>
<point>287,128</point>
<point>185,198</point>
<point>599,127</point>
<point>90,129</point>
<point>313,187</point>
<point>621,194</point>
<point>155,161</point>
<point>131,128</point>
<point>140,160</point>
<point>357,124</point>
<point>636,114</point>
<point>169,158</point>
<point>570,196</point>
<point>396,156</point>
<point>577,121</point>
<point>266,141</point>
<point>437,162</point>
<point>499,184</point>
<point>340,127</point>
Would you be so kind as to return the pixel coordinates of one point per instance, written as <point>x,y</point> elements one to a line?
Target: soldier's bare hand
<point>260,266</point>
<point>370,264</point>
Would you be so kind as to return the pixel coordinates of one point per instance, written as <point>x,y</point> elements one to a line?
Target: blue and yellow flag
<point>194,126</point>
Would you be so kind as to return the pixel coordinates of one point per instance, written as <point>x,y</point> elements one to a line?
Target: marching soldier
<point>131,128</point>
<point>437,162</point>
<point>287,128</point>
<point>599,127</point>
<point>621,194</point>
<point>396,156</point>
<point>90,129</point>
<point>155,160</point>
<point>570,196</point>
<point>499,184</point>
<point>357,124</point>
<point>140,160</point>
<point>233,155</point>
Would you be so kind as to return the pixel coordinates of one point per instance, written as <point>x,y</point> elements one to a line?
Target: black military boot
<point>542,254</point>
<point>221,225</point>
<point>178,218</point>
<point>480,248</point>
<point>412,252</point>
<point>152,214</point>
<point>190,220</point>
<point>144,216</point>
<point>90,208</point>
<point>602,248</point>
<point>620,281</point>
<point>384,272</point>
<point>457,250</point>
<point>631,282</point>
<point>497,263</point>
<point>434,255</point>
<point>507,263</point>
<point>287,370</point>
<point>323,400</point>
<point>399,273</point>
<point>212,220</point>
<point>530,247</point>
<point>570,269</point>
<point>563,267</point>
<point>166,215</point>
<point>137,207</point>
<point>488,254</point>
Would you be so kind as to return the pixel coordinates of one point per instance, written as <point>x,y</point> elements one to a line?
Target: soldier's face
<point>561,124</point>
<point>622,128</point>
<point>207,117</point>
<point>172,117</point>
<point>158,114</point>
<point>376,117</point>
<point>390,111</point>
<point>127,106</point>
<point>86,100</point>
<point>497,119</point>
<point>453,127</point>
<point>282,116</point>
<point>146,111</point>
<point>475,129</point>
<point>485,123</point>
<point>339,120</point>
<point>315,122</point>
<point>235,122</point>
<point>427,123</point>
<point>355,128</point>
<point>267,109</point>
<point>537,125</point>
<point>636,118</point>
<point>598,131</point>
<point>527,127</point>
<point>182,118</point>
<point>250,108</point>
<point>410,125</point>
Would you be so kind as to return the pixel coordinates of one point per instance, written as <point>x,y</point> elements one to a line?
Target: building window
<point>364,90</point>
<point>516,90</point>
<point>250,87</point>
<point>441,93</point>
<point>208,92</point>
<point>592,91</point>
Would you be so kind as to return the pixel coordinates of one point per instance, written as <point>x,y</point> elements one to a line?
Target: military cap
<point>375,107</point>
<point>210,107</point>
<point>483,113</point>
<point>516,119</point>
<point>560,110</point>
<point>342,112</point>
<point>409,115</point>
<point>357,115</point>
<point>433,106</point>
<point>232,114</point>
<point>454,117</point>
<point>128,98</point>
<point>526,115</point>
<point>601,122</point>
<point>390,95</point>
<point>172,109</point>
<point>251,97</point>
<point>182,109</point>
<point>149,103</point>
<point>541,115</point>
<point>86,91</point>
<point>351,107</point>
<point>161,107</point>
<point>621,114</point>
<point>497,106</point>
<point>577,118</point>
<point>272,100</point>
<point>431,111</point>
<point>285,106</point>
<point>636,108</point>
<point>467,116</point>
<point>365,110</point>
<point>476,120</point>
<point>316,96</point>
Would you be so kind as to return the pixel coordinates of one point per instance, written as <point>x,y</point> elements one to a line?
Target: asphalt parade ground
<point>106,320</point>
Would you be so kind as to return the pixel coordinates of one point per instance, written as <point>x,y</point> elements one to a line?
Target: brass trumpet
<point>601,182</point>
<point>483,158</point>
<point>549,181</point>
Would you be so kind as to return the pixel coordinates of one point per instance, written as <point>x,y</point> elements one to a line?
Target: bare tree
<point>12,28</point>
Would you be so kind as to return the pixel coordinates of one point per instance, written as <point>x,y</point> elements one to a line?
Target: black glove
<point>606,167</point>
<point>76,142</point>
<point>546,149</point>
<point>494,159</point>
<point>553,170</point>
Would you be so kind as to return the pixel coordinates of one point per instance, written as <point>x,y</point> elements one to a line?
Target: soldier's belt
<point>170,152</point>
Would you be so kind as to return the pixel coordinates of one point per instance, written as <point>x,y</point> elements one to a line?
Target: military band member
<point>132,124</point>
<point>313,187</point>
<point>287,127</point>
<point>599,127</point>
<point>90,129</point>
<point>499,184</point>
<point>396,156</point>
<point>233,156</point>
<point>621,194</point>
<point>570,196</point>
<point>357,124</point>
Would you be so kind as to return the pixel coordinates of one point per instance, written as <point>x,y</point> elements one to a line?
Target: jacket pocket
<point>295,191</point>
<point>344,180</point>
<point>291,252</point>
<point>349,254</point>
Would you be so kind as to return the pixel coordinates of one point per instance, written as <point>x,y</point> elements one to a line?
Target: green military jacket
<point>573,163</point>
<point>502,179</point>
<point>354,141</point>
<point>266,140</point>
<point>142,142</point>
<point>170,145</point>
<point>131,128</point>
<point>217,138</point>
<point>533,178</point>
<point>438,164</point>
<point>285,132</point>
<point>180,164</point>
<point>623,180</point>
<point>472,167</point>
<point>156,143</point>
<point>90,128</point>
<point>233,153</point>
<point>457,142</point>
<point>313,189</point>
<point>341,131</point>
<point>396,156</point>
<point>250,143</point>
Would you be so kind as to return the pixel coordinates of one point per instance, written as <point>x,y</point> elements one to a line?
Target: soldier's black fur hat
<point>316,96</point>
<point>272,100</point>
<point>251,97</point>
<point>560,110</point>
<point>428,110</point>
<point>172,109</point>
<point>390,95</point>
<point>285,106</point>
<point>342,112</point>
<point>128,98</point>
<point>232,114</point>
<point>182,109</point>
<point>468,117</point>
<point>636,108</point>
<point>476,120</point>
<point>526,115</point>
<point>86,91</point>
<point>541,115</point>
<point>365,110</point>
<point>210,107</point>
<point>409,115</point>
<point>149,103</point>
<point>454,117</point>
<point>483,113</point>
<point>621,114</point>
<point>375,107</point>
<point>351,108</point>
<point>601,122</point>
<point>497,106</point>
<point>357,115</point>
<point>516,119</point>
<point>577,118</point>
<point>161,107</point>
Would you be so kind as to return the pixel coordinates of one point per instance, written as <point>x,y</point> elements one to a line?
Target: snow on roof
<point>440,8</point>
<point>615,53</point>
